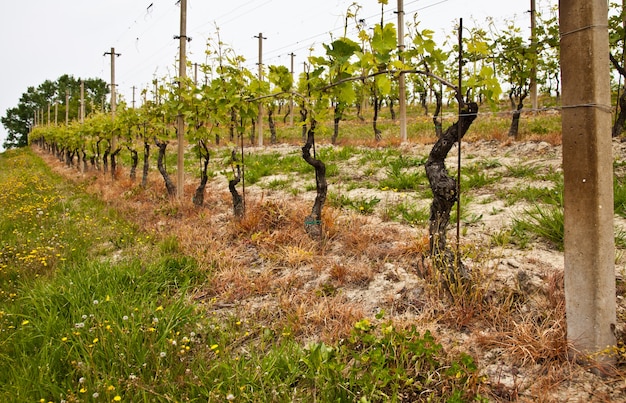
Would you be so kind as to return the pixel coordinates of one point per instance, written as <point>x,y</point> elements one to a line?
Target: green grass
<point>360,204</point>
<point>527,193</point>
<point>404,173</point>
<point>543,221</point>
<point>619,196</point>
<point>522,171</point>
<point>408,213</point>
<point>91,309</point>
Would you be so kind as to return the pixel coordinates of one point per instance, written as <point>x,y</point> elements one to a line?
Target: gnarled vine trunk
<point>436,117</point>
<point>84,159</point>
<point>238,206</point>
<point>445,194</point>
<point>169,185</point>
<point>313,222</point>
<point>146,164</point>
<point>198,196</point>
<point>618,125</point>
<point>105,159</point>
<point>114,162</point>
<point>517,111</point>
<point>620,121</point>
<point>134,158</point>
<point>272,124</point>
<point>377,105</point>
<point>303,115</point>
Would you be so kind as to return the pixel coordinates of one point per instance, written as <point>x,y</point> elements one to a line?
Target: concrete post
<point>401,78</point>
<point>81,111</point>
<point>291,111</point>
<point>533,42</point>
<point>259,122</point>
<point>113,89</point>
<point>588,174</point>
<point>182,73</point>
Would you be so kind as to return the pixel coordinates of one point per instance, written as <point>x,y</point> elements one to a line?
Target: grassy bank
<point>92,309</point>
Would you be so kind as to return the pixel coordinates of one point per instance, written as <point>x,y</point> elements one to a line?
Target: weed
<point>501,237</point>
<point>490,163</point>
<point>619,196</point>
<point>362,205</point>
<point>476,180</point>
<point>522,171</point>
<point>279,184</point>
<point>543,221</point>
<point>407,212</point>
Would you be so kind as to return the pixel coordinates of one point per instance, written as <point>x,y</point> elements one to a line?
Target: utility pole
<point>291,95</point>
<point>113,93</point>
<point>48,113</point>
<point>182,74</point>
<point>67,107</point>
<point>401,78</point>
<point>134,96</point>
<point>56,113</point>
<point>260,116</point>
<point>82,102</point>
<point>588,178</point>
<point>533,44</point>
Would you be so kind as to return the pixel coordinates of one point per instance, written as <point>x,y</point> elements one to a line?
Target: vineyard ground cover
<point>265,270</point>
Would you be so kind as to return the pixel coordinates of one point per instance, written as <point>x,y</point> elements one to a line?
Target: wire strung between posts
<point>603,108</point>
<point>586,27</point>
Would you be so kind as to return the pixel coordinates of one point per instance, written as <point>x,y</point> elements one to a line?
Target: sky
<point>43,39</point>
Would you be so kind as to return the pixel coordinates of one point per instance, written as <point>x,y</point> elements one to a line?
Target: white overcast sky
<point>43,39</point>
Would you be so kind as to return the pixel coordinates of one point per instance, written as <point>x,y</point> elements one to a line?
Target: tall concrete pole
<point>113,95</point>
<point>67,107</point>
<point>182,74</point>
<point>291,96</point>
<point>113,89</point>
<point>401,78</point>
<point>533,42</point>
<point>82,102</point>
<point>48,113</point>
<point>588,175</point>
<point>259,122</point>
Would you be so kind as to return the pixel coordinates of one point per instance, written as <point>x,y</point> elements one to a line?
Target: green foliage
<point>382,363</point>
<point>36,102</point>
